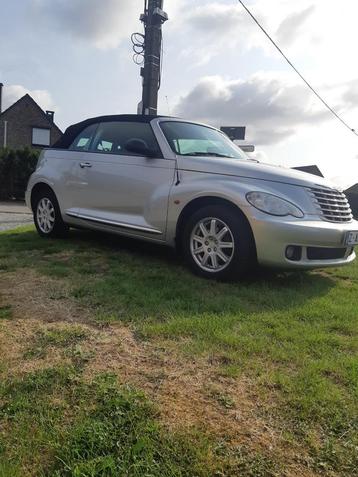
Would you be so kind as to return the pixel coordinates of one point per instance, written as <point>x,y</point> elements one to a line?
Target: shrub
<point>16,166</point>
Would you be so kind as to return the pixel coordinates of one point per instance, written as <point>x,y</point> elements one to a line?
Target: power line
<point>296,70</point>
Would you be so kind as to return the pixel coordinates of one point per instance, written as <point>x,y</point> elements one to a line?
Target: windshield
<point>188,139</point>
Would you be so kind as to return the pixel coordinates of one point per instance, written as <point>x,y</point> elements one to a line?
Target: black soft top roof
<point>73,131</point>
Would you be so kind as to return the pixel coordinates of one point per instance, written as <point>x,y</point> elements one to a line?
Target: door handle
<point>85,164</point>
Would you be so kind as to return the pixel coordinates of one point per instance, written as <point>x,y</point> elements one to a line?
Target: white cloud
<point>317,34</point>
<point>270,105</point>
<point>214,27</point>
<point>290,27</point>
<point>103,23</point>
<point>11,93</point>
<point>279,110</point>
<point>350,96</point>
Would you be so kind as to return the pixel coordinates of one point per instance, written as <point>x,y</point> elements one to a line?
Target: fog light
<point>294,253</point>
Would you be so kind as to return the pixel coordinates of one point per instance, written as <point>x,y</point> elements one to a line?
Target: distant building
<point>235,133</point>
<point>25,124</point>
<point>352,195</point>
<point>310,170</point>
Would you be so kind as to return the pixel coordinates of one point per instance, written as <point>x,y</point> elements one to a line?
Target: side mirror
<point>140,147</point>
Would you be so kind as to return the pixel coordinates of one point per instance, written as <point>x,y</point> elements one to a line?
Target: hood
<point>251,170</point>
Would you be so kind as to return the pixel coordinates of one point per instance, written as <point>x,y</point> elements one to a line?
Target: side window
<point>112,137</point>
<point>83,140</point>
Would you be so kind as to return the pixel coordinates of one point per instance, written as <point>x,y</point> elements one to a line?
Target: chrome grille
<point>332,204</point>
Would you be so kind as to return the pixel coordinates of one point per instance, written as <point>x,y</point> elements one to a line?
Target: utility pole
<point>151,50</point>
<point>1,86</point>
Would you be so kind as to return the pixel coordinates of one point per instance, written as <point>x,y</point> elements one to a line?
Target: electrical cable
<point>138,42</point>
<point>297,71</point>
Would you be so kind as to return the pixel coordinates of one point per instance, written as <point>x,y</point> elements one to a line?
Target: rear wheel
<point>218,243</point>
<point>47,215</point>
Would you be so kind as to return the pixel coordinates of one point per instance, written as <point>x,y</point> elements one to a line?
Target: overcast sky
<point>74,56</point>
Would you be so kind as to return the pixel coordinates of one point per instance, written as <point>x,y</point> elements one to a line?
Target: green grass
<point>59,338</point>
<point>294,334</point>
<point>99,428</point>
<point>5,312</point>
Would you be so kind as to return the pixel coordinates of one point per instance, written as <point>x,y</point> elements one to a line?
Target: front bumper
<point>273,235</point>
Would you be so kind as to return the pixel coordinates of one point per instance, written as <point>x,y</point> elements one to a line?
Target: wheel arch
<point>205,201</point>
<point>37,189</point>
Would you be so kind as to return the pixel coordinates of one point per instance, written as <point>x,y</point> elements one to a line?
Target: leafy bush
<point>16,166</point>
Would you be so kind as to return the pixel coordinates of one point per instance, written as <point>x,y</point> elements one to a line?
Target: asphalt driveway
<point>14,214</point>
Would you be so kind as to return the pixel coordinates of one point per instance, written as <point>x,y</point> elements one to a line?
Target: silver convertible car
<point>188,186</point>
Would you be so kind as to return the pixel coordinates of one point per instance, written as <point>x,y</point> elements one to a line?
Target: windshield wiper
<point>214,154</point>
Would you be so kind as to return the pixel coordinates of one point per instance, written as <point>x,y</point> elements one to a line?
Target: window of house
<point>112,137</point>
<point>40,137</point>
<point>83,140</point>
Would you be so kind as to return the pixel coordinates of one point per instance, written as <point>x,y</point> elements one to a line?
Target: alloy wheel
<point>212,244</point>
<point>45,215</point>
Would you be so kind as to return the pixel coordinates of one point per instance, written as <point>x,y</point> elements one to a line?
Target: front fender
<point>196,186</point>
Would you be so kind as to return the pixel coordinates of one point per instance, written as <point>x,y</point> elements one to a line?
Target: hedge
<point>16,166</point>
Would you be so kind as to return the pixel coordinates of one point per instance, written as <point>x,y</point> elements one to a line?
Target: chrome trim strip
<point>116,224</point>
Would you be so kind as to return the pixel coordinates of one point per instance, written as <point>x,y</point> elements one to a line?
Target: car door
<point>68,169</point>
<point>123,190</point>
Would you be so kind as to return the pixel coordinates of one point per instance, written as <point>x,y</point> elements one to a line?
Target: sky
<point>75,57</point>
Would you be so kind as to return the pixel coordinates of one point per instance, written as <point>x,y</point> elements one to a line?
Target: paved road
<point>14,214</point>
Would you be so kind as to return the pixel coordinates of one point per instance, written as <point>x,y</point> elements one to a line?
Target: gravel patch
<point>11,221</point>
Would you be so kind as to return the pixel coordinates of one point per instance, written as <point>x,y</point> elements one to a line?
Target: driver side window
<point>112,137</point>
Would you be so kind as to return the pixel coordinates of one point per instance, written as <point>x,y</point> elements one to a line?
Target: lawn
<point>115,360</point>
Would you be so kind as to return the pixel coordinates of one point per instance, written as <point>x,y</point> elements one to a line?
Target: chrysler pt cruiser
<point>188,186</point>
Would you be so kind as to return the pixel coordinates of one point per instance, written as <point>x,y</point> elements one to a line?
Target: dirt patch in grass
<point>33,296</point>
<point>188,393</point>
<point>191,393</point>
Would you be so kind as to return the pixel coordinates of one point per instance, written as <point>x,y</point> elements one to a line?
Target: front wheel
<point>47,216</point>
<point>218,243</point>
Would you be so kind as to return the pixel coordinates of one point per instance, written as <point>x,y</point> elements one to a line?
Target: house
<point>25,124</point>
<point>351,192</point>
<point>352,195</point>
<point>310,170</point>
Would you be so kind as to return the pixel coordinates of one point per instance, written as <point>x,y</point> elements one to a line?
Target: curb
<point>14,213</point>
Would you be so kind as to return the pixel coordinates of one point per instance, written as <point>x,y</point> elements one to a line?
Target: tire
<point>47,215</point>
<point>218,243</point>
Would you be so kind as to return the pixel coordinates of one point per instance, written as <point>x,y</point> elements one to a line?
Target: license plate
<point>351,238</point>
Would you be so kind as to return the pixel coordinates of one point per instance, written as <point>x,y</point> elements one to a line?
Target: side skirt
<point>111,223</point>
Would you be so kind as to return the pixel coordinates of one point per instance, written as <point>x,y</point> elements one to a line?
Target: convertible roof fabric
<point>73,131</point>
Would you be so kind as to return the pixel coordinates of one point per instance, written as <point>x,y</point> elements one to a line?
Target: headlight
<point>270,204</point>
